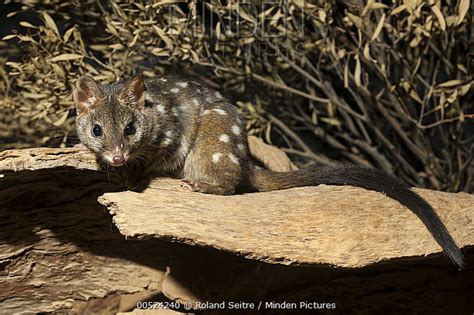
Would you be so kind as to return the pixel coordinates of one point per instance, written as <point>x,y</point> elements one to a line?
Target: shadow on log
<point>60,248</point>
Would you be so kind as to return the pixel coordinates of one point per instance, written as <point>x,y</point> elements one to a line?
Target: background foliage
<point>384,84</point>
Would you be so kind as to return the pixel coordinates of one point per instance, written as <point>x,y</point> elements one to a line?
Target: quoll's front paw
<point>197,186</point>
<point>185,186</point>
<point>190,185</point>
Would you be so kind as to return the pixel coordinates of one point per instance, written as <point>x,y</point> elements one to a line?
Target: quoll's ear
<point>86,95</point>
<point>133,93</point>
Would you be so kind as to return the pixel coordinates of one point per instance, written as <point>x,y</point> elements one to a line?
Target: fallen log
<point>59,247</point>
<point>339,226</point>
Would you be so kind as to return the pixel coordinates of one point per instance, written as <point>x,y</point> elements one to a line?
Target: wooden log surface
<point>59,246</point>
<point>339,226</point>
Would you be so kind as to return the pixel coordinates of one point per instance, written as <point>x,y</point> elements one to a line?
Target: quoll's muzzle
<point>118,159</point>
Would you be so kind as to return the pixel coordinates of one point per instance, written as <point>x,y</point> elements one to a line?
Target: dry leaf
<point>463,9</point>
<point>163,36</point>
<point>378,29</point>
<point>62,119</point>
<point>64,57</point>
<point>439,15</point>
<point>50,23</point>
<point>27,24</point>
<point>357,71</point>
<point>450,83</point>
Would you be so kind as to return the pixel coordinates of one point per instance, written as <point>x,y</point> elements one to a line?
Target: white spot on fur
<point>204,113</point>
<point>183,84</point>
<point>175,111</point>
<point>163,79</point>
<point>169,138</point>
<point>161,109</point>
<point>233,158</point>
<point>218,95</point>
<point>236,130</point>
<point>174,90</point>
<point>241,147</point>
<point>156,134</point>
<point>224,138</point>
<point>220,111</point>
<point>216,157</point>
<point>195,101</point>
<point>209,99</point>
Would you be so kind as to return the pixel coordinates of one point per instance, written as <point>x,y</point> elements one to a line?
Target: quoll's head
<point>110,119</point>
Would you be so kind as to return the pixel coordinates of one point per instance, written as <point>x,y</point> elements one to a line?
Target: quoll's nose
<point>118,159</point>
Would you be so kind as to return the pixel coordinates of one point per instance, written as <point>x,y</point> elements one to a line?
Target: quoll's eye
<point>97,131</point>
<point>130,129</point>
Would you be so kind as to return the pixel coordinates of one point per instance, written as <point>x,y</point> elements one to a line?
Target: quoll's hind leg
<point>217,160</point>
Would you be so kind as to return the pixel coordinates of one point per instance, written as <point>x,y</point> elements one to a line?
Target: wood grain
<point>334,225</point>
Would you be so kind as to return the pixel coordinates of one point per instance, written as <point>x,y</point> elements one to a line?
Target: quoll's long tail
<point>371,179</point>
